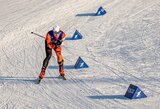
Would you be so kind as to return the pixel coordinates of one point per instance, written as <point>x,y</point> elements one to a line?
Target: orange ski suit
<point>53,41</point>
<point>60,36</point>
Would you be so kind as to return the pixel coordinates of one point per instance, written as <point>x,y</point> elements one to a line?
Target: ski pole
<point>38,35</point>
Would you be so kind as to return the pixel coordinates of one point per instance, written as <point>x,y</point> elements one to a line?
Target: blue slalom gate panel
<point>80,64</point>
<point>134,92</point>
<point>100,12</point>
<point>77,35</point>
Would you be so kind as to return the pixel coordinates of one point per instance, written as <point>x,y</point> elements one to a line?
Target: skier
<point>54,39</point>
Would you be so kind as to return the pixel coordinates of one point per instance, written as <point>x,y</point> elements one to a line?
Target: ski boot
<point>41,75</point>
<point>61,69</point>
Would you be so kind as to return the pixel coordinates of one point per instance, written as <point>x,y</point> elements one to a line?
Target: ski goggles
<point>56,32</point>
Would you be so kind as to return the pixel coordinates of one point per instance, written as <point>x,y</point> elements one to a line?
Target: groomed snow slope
<point>121,48</point>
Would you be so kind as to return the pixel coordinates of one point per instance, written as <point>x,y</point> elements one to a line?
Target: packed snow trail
<point>121,47</point>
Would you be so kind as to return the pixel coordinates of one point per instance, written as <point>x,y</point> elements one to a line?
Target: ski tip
<point>64,78</point>
<point>38,81</point>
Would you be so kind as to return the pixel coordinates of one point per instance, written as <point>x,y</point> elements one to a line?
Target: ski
<point>39,80</point>
<point>63,77</point>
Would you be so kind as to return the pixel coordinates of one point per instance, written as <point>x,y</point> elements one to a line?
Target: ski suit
<point>51,43</point>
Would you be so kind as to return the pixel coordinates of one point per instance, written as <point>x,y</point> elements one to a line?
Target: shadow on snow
<point>85,14</point>
<point>65,67</point>
<point>18,79</point>
<point>108,97</point>
<point>32,80</point>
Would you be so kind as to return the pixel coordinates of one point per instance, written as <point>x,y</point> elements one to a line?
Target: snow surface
<point>121,48</point>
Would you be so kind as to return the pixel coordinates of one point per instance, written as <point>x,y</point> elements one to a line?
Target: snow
<point>121,48</point>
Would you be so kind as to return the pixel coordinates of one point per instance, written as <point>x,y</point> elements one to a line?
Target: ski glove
<point>59,42</point>
<point>54,43</point>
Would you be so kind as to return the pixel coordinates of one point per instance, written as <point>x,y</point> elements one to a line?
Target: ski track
<point>54,92</point>
<point>126,73</point>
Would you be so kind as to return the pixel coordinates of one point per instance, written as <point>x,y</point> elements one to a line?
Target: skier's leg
<point>46,60</point>
<point>48,55</point>
<point>61,69</point>
<point>60,62</point>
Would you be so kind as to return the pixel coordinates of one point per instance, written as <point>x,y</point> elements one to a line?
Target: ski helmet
<point>56,29</point>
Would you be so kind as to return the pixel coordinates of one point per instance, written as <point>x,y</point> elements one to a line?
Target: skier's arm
<point>48,39</point>
<point>63,36</point>
<point>59,42</point>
